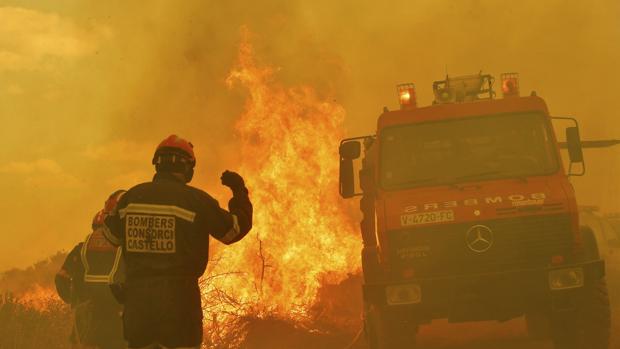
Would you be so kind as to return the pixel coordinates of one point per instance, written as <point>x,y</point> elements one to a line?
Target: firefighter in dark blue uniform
<point>84,281</point>
<point>163,227</point>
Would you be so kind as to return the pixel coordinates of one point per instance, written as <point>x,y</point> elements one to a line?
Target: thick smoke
<point>88,89</point>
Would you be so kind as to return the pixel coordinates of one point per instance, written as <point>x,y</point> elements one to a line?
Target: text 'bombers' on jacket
<point>163,227</point>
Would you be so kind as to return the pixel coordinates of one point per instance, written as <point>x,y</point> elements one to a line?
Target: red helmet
<point>98,219</point>
<point>174,146</point>
<point>109,206</point>
<point>112,201</point>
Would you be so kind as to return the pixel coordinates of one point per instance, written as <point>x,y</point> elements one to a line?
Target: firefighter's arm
<point>238,222</point>
<point>112,225</point>
<point>63,285</point>
<point>67,274</point>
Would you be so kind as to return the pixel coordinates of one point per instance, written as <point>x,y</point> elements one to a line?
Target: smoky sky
<point>88,88</point>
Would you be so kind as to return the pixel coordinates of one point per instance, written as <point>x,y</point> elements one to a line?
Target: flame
<point>302,235</point>
<point>39,298</point>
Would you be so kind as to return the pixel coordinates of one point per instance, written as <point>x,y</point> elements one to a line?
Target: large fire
<point>302,236</point>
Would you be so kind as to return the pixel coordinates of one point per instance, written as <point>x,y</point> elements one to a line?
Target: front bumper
<point>491,296</point>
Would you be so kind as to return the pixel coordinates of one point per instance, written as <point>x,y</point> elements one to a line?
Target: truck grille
<point>519,242</point>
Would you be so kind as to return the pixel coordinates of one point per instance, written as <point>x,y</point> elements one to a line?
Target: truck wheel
<point>537,324</point>
<point>590,244</point>
<point>588,327</point>
<point>389,331</point>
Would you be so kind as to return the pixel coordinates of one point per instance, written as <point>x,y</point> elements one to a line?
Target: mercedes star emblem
<point>479,238</point>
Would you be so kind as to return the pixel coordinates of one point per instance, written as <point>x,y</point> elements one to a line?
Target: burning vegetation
<point>31,314</point>
<point>303,236</point>
<point>296,274</point>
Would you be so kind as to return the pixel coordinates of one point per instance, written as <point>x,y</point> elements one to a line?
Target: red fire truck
<point>469,215</point>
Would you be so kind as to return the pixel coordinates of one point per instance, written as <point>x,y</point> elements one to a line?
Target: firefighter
<point>84,282</point>
<point>163,227</point>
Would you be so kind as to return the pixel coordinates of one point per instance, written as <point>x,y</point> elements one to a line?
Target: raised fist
<point>232,180</point>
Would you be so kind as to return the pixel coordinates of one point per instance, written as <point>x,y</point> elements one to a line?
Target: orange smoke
<point>302,235</point>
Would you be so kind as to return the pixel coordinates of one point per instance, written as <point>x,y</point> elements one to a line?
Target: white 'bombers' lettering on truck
<point>150,233</point>
<point>514,199</point>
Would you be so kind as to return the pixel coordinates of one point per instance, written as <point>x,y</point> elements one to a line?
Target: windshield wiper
<point>522,178</point>
<point>440,181</point>
<point>475,175</point>
<point>454,182</point>
<point>418,181</point>
<point>490,173</point>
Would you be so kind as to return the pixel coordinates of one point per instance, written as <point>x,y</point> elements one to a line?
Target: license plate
<point>427,218</point>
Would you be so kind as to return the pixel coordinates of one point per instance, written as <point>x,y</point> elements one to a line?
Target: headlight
<point>403,294</point>
<point>563,279</point>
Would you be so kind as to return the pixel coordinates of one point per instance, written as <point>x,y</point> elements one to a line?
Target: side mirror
<point>350,150</point>
<point>347,178</point>
<point>573,142</point>
<point>573,145</point>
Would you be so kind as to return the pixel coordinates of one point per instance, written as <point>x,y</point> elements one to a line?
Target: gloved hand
<point>234,181</point>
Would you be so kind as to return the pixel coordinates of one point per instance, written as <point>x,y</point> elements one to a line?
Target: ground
<point>335,320</point>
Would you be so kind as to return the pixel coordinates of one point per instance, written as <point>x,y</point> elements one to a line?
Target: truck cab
<point>469,215</point>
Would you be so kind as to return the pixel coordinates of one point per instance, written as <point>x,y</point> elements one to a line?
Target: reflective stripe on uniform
<point>105,279</point>
<point>159,210</point>
<point>108,235</point>
<point>117,262</point>
<point>99,278</point>
<point>233,233</point>
<point>83,253</point>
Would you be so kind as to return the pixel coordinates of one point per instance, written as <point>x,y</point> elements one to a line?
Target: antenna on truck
<point>602,143</point>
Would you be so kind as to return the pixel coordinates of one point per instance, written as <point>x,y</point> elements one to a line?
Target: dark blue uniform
<point>163,228</point>
<point>84,282</point>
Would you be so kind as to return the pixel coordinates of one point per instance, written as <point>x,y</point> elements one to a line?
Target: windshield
<point>453,151</point>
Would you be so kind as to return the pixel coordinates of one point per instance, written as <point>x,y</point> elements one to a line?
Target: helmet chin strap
<point>189,174</point>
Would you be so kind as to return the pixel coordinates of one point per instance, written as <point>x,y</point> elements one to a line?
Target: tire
<point>591,251</point>
<point>589,326</point>
<point>385,330</point>
<point>538,325</point>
